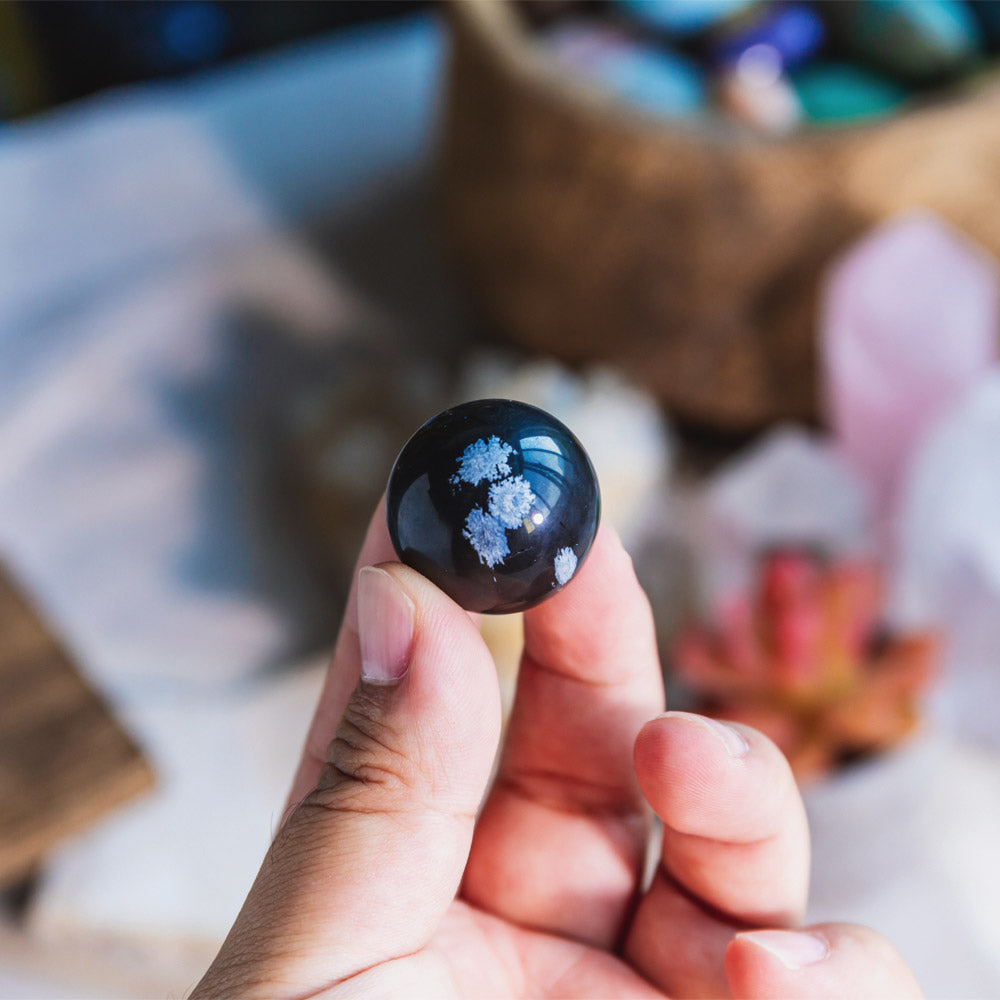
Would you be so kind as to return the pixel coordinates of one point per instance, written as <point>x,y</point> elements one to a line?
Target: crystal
<point>909,320</point>
<point>948,562</point>
<point>496,502</point>
<point>789,489</point>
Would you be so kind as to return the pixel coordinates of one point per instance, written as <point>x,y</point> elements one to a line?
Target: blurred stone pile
<point>773,66</point>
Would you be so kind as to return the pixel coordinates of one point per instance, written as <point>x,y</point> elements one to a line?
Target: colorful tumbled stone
<point>655,79</point>
<point>683,17</point>
<point>793,33</point>
<point>496,502</point>
<point>842,94</point>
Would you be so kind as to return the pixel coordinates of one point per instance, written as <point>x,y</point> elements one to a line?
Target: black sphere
<point>496,502</point>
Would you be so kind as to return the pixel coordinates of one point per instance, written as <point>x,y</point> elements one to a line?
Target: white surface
<point>105,473</point>
<point>907,845</point>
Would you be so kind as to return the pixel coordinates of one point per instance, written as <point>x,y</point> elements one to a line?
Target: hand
<point>384,882</point>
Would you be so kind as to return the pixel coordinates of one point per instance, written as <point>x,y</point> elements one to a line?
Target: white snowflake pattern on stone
<point>483,460</point>
<point>565,565</point>
<point>487,536</point>
<point>511,500</point>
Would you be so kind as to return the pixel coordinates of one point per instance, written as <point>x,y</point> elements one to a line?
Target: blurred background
<point>746,250</point>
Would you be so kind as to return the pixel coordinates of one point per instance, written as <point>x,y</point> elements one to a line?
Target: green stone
<point>842,94</point>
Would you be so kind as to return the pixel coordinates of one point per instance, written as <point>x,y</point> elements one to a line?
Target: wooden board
<point>65,761</point>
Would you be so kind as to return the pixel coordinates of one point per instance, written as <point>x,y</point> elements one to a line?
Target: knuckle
<point>370,763</point>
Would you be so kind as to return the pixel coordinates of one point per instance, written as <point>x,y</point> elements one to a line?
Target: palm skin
<point>391,877</point>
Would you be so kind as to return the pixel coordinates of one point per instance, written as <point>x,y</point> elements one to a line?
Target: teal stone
<point>656,80</point>
<point>683,17</point>
<point>912,39</point>
<point>842,94</point>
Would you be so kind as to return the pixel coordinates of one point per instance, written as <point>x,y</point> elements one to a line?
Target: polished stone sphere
<point>496,502</point>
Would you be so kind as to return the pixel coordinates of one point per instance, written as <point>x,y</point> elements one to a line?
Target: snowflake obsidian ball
<point>496,502</point>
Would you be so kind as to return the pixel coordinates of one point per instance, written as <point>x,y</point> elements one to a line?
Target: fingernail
<point>385,626</point>
<point>733,739</point>
<point>793,949</point>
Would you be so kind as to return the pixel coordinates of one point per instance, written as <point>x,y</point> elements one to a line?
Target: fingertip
<point>427,681</point>
<point>734,828</point>
<point>607,555</point>
<point>447,642</point>
<point>712,778</point>
<point>673,734</point>
<point>607,539</point>
<point>794,949</point>
<point>822,962</point>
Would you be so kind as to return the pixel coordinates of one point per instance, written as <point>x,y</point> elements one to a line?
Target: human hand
<point>384,882</point>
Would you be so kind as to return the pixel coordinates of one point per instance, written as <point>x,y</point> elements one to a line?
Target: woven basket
<point>689,256</point>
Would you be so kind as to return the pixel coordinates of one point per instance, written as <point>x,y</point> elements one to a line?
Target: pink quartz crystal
<point>909,321</point>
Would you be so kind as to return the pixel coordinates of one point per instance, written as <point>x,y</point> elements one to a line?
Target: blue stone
<point>682,17</point>
<point>795,33</point>
<point>496,502</point>
<point>656,80</point>
<point>842,94</point>
<point>912,39</point>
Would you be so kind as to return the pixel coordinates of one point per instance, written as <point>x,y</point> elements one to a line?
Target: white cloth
<point>126,473</point>
<point>907,844</point>
<point>149,302</point>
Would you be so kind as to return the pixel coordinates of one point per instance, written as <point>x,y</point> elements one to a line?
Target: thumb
<point>366,865</point>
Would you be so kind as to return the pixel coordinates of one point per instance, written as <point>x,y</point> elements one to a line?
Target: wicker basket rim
<point>501,32</point>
